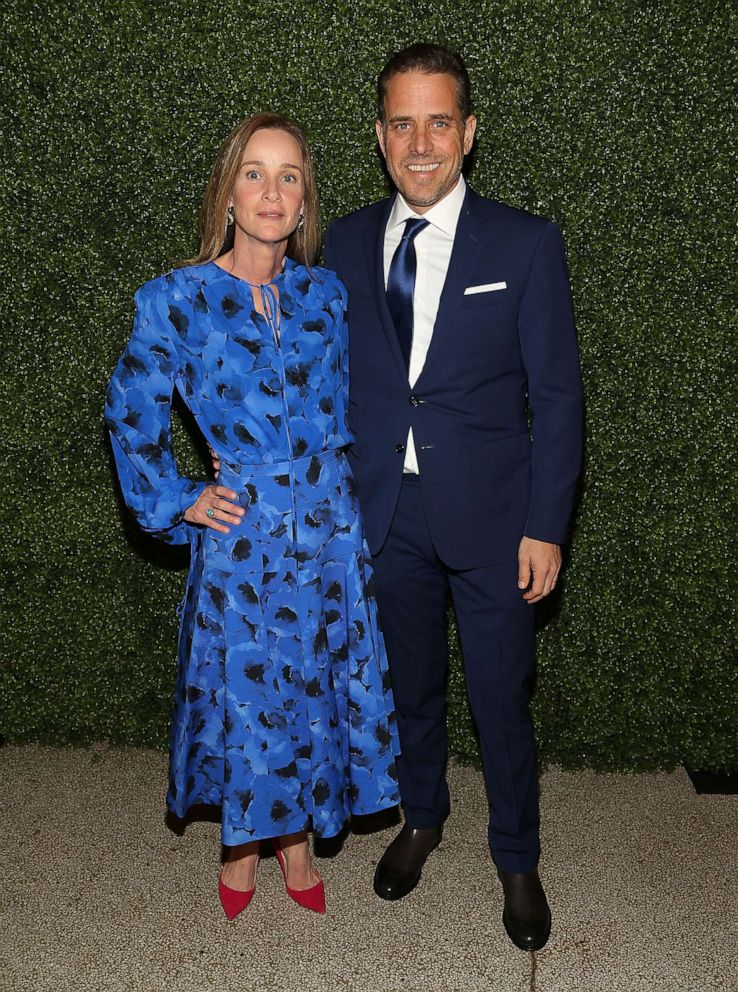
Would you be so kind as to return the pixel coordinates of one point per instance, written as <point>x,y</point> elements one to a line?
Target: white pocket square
<point>489,287</point>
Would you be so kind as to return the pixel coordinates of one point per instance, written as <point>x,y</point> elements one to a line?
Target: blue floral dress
<point>283,712</point>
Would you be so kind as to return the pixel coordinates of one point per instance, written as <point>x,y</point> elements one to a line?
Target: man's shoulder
<point>509,216</point>
<point>360,218</point>
<point>503,215</point>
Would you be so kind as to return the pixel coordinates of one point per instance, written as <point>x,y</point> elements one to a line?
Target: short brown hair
<point>428,59</point>
<point>216,235</point>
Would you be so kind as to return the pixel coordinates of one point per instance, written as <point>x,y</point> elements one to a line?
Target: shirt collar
<point>444,215</point>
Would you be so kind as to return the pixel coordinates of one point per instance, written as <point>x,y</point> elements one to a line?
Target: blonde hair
<point>215,233</point>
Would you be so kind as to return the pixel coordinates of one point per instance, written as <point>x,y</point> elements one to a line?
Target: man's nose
<point>422,141</point>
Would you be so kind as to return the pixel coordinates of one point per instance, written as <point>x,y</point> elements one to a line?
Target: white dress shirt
<point>433,248</point>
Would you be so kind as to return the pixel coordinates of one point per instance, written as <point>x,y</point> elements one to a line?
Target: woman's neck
<point>256,263</point>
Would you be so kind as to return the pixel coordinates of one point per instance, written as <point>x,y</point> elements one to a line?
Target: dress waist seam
<point>285,467</point>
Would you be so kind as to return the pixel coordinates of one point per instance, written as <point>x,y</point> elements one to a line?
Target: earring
<point>301,222</point>
<point>230,216</point>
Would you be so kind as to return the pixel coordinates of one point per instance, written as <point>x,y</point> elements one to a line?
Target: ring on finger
<point>210,513</point>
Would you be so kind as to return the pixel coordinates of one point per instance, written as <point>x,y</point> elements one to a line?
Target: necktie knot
<point>413,227</point>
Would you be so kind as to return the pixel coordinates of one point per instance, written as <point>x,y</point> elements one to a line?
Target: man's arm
<point>329,254</point>
<point>551,359</point>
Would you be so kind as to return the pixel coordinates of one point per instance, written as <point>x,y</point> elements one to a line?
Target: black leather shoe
<point>401,865</point>
<point>526,916</point>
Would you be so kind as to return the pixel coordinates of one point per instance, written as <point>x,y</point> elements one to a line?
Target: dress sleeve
<point>339,307</point>
<point>138,413</point>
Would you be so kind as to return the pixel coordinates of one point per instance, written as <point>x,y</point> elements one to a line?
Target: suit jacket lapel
<point>467,244</point>
<point>374,246</point>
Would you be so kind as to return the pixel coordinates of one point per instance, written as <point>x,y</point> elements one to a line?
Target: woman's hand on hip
<point>215,507</point>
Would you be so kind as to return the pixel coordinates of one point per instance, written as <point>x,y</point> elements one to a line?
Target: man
<point>460,321</point>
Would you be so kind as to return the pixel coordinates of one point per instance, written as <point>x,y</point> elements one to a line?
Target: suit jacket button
<point>414,401</point>
<point>400,448</point>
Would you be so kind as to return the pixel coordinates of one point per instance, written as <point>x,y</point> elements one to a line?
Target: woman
<point>283,713</point>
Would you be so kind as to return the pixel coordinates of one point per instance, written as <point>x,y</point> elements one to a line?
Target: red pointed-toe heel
<point>312,898</point>
<point>234,901</point>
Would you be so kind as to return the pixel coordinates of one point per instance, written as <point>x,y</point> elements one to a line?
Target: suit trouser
<point>496,628</point>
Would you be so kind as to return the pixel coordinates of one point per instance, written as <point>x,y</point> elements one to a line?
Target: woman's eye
<point>289,178</point>
<point>252,174</point>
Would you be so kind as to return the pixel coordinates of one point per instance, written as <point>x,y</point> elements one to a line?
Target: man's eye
<point>401,126</point>
<point>440,124</point>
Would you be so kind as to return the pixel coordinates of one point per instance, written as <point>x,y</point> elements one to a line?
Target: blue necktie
<point>401,284</point>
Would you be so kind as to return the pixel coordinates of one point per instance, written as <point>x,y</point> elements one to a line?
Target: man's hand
<point>540,562</point>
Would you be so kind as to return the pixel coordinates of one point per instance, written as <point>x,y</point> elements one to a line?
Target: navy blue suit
<point>495,356</point>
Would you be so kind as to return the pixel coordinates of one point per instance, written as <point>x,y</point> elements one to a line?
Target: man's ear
<point>379,128</point>
<point>470,126</point>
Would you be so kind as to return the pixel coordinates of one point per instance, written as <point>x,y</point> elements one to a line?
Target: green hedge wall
<point>611,117</point>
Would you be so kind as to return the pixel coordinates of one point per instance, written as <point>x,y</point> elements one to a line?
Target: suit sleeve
<point>551,359</point>
<point>137,414</point>
<point>344,359</point>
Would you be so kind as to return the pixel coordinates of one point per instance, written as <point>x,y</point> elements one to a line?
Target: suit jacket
<point>496,357</point>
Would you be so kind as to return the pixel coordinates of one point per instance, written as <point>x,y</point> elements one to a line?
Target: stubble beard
<point>432,196</point>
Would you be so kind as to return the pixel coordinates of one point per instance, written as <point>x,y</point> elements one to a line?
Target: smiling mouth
<point>429,167</point>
